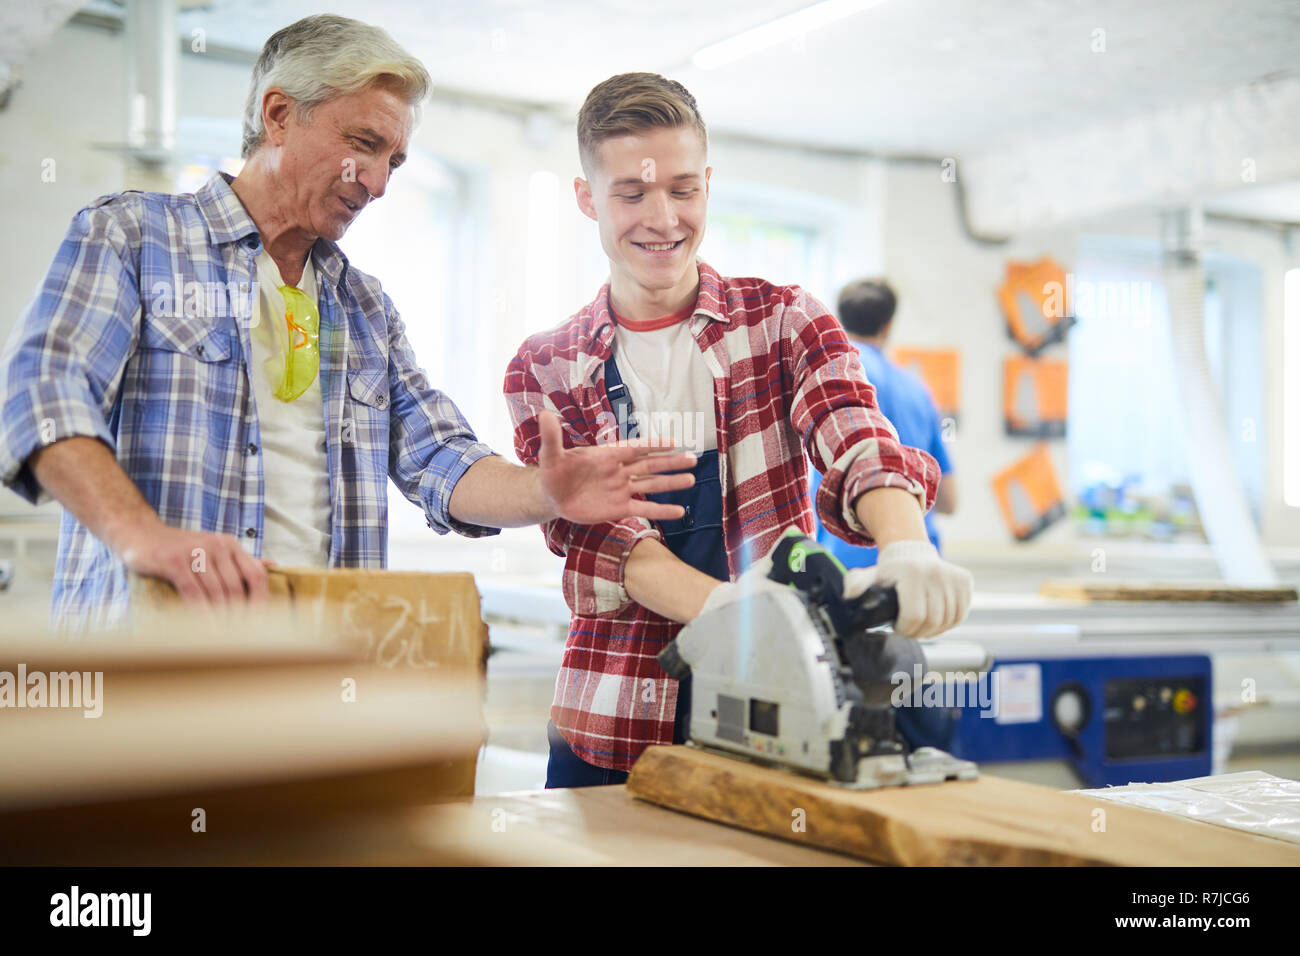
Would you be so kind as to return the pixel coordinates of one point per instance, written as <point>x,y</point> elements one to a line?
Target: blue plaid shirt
<point>139,336</point>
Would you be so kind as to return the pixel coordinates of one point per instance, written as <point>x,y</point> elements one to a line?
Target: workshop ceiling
<point>936,77</point>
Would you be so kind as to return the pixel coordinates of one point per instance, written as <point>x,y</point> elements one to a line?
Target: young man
<point>207,376</point>
<point>866,308</point>
<point>742,372</point>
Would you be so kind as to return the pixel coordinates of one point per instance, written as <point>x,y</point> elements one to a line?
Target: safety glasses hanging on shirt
<point>302,360</point>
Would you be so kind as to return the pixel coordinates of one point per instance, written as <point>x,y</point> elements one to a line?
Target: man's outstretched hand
<point>602,482</point>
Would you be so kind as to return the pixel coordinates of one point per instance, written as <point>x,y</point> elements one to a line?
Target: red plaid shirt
<point>785,378</point>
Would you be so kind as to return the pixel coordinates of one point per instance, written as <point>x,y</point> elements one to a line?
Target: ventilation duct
<point>1220,498</point>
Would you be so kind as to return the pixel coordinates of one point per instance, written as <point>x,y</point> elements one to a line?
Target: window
<point>191,177</point>
<point>782,253</point>
<point>1126,443</point>
<point>409,241</point>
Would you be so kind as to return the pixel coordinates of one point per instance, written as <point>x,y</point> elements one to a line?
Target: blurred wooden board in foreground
<point>989,821</point>
<point>277,722</point>
<point>1085,590</point>
<point>398,620</point>
<point>156,730</point>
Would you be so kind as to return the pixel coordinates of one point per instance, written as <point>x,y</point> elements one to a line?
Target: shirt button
<point>689,518</point>
<point>199,350</point>
<point>250,532</point>
<point>252,448</point>
<point>383,401</point>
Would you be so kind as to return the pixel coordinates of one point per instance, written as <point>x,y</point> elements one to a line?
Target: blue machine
<point>1116,720</point>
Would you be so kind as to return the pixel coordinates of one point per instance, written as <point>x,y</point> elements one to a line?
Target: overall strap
<point>620,400</point>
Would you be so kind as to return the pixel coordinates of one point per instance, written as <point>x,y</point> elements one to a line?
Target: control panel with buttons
<point>1117,720</point>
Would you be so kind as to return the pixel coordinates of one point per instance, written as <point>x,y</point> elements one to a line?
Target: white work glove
<point>751,582</point>
<point>933,594</point>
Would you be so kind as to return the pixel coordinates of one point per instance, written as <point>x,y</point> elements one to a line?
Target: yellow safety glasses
<point>302,361</point>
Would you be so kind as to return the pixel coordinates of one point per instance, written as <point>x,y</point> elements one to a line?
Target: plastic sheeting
<point>1254,801</point>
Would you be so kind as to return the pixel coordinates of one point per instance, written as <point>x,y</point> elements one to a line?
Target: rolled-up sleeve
<point>595,556</point>
<point>849,440</point>
<point>595,562</point>
<point>431,443</point>
<point>62,365</point>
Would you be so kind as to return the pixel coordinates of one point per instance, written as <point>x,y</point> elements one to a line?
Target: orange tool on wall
<point>1034,300</point>
<point>1029,495</point>
<point>1035,396</point>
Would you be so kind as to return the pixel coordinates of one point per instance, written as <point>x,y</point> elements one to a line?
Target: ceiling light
<point>777,31</point>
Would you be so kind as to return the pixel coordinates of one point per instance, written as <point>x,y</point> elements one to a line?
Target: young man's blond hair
<point>634,103</point>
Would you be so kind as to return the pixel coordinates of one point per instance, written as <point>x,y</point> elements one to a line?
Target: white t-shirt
<point>668,380</point>
<point>296,470</point>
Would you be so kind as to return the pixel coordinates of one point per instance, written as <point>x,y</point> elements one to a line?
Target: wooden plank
<point>172,732</point>
<point>343,819</point>
<point>1085,590</point>
<point>405,621</point>
<point>989,821</point>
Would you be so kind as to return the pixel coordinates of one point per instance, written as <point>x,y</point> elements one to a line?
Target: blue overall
<point>696,538</point>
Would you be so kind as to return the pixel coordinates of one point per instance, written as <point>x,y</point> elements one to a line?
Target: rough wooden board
<point>398,619</point>
<point>1084,590</point>
<point>989,821</point>
<point>609,828</point>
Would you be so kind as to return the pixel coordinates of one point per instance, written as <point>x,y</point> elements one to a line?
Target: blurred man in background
<point>866,309</point>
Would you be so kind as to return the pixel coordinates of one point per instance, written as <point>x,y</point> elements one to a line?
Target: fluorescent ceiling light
<point>781,30</point>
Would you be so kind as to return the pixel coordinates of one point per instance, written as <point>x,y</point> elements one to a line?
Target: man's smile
<point>661,248</point>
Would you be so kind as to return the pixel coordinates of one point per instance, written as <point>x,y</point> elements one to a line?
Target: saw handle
<point>874,607</point>
<point>804,564</point>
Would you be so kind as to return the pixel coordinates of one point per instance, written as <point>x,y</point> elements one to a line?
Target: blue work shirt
<point>906,402</point>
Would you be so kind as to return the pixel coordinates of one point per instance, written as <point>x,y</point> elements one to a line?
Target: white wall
<point>946,287</point>
<point>900,220</point>
<point>71,98</point>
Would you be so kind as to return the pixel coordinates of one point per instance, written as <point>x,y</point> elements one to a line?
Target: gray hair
<point>324,56</point>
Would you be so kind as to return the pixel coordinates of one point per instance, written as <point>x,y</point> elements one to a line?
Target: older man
<point>204,380</point>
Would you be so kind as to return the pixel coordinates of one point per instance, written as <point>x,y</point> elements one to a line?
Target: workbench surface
<point>606,825</point>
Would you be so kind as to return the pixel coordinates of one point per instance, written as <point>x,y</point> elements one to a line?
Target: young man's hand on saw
<point>933,594</point>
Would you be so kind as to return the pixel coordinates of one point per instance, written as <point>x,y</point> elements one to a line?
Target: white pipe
<point>152,71</point>
<point>1220,499</point>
